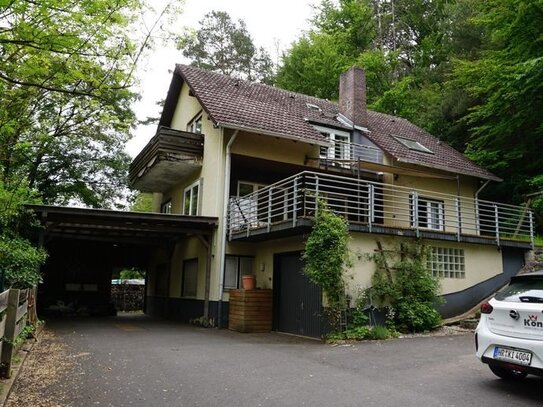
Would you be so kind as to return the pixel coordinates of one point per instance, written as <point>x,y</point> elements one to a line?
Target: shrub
<point>325,258</point>
<point>403,282</point>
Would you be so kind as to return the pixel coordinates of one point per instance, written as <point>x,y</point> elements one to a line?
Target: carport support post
<point>206,241</point>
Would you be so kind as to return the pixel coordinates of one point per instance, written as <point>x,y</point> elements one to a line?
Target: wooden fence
<point>14,312</point>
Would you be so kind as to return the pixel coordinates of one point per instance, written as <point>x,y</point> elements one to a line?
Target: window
<point>429,213</point>
<point>166,207</point>
<point>234,268</point>
<point>445,262</point>
<point>195,125</point>
<point>339,147</point>
<point>246,206</point>
<point>190,199</point>
<point>413,145</point>
<point>189,283</point>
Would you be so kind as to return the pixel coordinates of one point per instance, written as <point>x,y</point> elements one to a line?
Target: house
<point>256,157</point>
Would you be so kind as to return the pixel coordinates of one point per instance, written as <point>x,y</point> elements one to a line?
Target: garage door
<point>298,300</point>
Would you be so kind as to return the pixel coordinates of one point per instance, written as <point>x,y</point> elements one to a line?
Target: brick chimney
<point>352,96</point>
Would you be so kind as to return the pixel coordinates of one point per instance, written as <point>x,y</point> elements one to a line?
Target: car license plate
<point>520,357</point>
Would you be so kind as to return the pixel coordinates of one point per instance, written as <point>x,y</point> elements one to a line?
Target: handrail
<point>372,203</point>
<point>347,151</point>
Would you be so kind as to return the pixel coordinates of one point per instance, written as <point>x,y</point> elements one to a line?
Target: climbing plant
<point>326,257</point>
<point>403,282</point>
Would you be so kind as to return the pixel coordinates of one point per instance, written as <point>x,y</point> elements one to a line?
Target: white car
<point>509,337</point>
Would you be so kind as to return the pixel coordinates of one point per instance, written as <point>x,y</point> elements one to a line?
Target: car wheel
<point>508,374</point>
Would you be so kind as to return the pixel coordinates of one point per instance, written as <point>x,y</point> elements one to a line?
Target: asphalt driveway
<point>137,361</point>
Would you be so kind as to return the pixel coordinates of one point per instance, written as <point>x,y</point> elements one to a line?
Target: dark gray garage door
<point>298,301</point>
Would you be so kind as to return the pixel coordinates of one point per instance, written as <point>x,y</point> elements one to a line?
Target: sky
<point>273,25</point>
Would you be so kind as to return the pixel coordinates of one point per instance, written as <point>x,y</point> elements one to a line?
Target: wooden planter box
<point>250,311</point>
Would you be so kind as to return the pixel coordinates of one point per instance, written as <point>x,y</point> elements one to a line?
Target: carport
<point>86,246</point>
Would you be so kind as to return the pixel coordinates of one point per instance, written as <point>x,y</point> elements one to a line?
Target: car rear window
<point>523,290</point>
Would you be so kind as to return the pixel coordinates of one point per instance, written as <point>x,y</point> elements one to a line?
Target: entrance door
<point>298,301</point>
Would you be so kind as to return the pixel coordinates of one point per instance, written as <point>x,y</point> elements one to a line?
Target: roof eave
<point>489,176</point>
<point>271,134</point>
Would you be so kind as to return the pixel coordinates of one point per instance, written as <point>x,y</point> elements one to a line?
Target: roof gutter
<point>266,133</point>
<point>222,253</point>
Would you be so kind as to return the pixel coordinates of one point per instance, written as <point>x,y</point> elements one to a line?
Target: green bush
<point>326,257</point>
<point>20,262</point>
<point>403,282</point>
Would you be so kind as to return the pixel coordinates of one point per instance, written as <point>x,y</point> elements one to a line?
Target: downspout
<point>481,188</point>
<point>222,253</point>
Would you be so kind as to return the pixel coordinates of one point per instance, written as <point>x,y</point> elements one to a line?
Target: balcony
<point>288,207</point>
<point>341,154</point>
<point>166,160</point>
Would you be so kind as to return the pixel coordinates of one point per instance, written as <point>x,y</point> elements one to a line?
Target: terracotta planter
<point>248,282</point>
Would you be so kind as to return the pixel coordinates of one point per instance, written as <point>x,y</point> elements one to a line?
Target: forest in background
<point>468,71</point>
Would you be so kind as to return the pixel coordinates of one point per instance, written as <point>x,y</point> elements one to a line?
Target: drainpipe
<point>222,253</point>
<point>480,189</point>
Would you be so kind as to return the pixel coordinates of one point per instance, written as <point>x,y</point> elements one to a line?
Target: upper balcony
<point>166,159</point>
<point>343,155</point>
<point>288,207</point>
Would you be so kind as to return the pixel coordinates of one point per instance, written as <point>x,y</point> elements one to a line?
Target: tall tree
<point>66,73</point>
<point>506,82</point>
<point>224,45</point>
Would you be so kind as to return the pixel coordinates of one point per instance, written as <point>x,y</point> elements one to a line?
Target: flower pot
<point>248,282</point>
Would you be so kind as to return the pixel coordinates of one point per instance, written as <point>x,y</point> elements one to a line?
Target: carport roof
<point>120,226</point>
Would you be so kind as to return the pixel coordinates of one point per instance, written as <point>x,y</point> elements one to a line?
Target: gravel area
<point>47,377</point>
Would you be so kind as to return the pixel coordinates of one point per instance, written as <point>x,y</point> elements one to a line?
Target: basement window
<point>446,262</point>
<point>413,145</point>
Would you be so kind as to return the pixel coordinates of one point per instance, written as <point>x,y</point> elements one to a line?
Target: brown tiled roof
<point>236,103</point>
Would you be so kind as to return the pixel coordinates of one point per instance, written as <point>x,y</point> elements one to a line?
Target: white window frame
<point>195,125</point>
<point>435,220</point>
<point>447,262</point>
<point>193,209</point>
<point>246,209</point>
<point>340,144</point>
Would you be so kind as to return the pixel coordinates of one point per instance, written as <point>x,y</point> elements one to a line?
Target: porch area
<point>288,207</point>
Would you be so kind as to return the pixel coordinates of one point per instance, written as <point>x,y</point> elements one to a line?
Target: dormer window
<point>413,145</point>
<point>340,142</point>
<point>195,125</point>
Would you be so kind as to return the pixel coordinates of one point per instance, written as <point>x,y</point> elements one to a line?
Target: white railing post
<point>316,194</point>
<point>530,214</point>
<point>229,220</point>
<point>270,197</point>
<point>416,212</point>
<point>295,202</point>
<point>496,224</point>
<point>371,200</point>
<point>458,220</point>
<point>477,218</point>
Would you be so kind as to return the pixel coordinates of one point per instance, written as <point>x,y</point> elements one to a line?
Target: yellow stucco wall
<point>211,172</point>
<point>273,148</point>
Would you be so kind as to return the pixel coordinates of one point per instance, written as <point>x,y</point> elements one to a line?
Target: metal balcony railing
<point>341,151</point>
<point>375,204</point>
